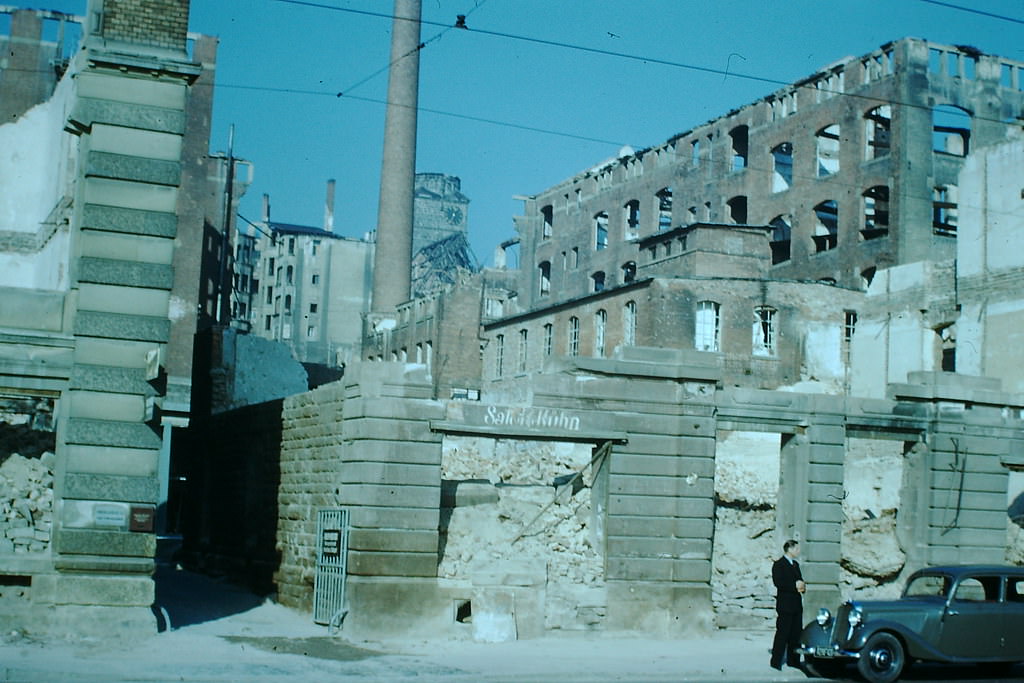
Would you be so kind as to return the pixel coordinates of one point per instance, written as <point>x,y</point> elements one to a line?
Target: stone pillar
<point>129,113</point>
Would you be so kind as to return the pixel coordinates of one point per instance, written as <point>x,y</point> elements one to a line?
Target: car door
<point>1013,618</point>
<point>971,627</point>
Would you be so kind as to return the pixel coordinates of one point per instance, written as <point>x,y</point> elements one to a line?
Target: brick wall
<point>310,457</point>
<point>159,23</point>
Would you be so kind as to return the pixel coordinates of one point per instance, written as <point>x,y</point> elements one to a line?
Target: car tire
<point>825,668</point>
<point>881,659</point>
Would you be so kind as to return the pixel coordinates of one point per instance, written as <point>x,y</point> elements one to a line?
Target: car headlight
<point>824,616</point>
<point>855,616</point>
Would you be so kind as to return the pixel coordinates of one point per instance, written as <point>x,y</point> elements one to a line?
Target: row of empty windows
<point>572,340</point>
<point>708,329</point>
<point>951,131</point>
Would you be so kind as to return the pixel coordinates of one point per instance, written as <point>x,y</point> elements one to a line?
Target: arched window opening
<point>707,330</point>
<point>738,210</point>
<point>600,327</point>
<point>600,230</point>
<point>631,219</point>
<point>664,196</point>
<point>544,272</point>
<point>629,271</point>
<point>826,228</point>
<point>547,217</point>
<point>574,336</point>
<point>764,331</point>
<point>782,231</point>
<point>828,150</point>
<point>598,281</point>
<point>629,324</point>
<point>782,167</point>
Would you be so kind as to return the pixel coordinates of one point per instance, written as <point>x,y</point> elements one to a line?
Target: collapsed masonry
<point>466,519</point>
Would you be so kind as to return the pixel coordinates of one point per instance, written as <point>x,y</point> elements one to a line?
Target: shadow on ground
<point>184,598</point>
<point>323,647</point>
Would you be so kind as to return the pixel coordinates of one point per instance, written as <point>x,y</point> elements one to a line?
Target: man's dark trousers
<point>789,610</point>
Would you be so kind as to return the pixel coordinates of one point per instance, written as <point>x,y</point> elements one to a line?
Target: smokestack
<point>329,207</point>
<point>392,262</point>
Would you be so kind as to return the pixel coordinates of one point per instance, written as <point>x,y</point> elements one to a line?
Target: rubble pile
<point>26,503</point>
<point>515,504</point>
<point>745,542</point>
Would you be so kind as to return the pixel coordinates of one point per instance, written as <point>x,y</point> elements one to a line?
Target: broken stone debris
<point>26,503</point>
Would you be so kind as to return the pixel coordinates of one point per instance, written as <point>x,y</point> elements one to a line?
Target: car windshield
<point>927,586</point>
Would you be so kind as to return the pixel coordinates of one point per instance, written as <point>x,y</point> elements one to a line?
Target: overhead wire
<point>973,10</point>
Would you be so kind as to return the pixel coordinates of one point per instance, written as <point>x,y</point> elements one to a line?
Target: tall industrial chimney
<point>392,261</point>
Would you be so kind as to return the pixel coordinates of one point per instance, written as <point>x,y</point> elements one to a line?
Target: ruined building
<point>105,203</point>
<point>675,382</point>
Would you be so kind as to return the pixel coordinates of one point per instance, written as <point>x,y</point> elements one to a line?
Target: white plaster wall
<point>35,172</point>
<point>990,216</point>
<point>823,354</point>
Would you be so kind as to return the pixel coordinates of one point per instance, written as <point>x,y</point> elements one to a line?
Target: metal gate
<point>331,566</point>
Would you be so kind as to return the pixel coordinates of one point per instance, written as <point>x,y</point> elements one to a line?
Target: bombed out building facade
<point>618,435</point>
<point>621,433</point>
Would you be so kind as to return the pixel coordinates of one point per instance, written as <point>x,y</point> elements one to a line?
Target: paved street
<point>220,633</point>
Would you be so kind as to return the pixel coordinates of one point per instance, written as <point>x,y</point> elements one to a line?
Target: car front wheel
<point>882,659</point>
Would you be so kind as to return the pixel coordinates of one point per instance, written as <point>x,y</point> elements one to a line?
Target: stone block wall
<point>311,444</point>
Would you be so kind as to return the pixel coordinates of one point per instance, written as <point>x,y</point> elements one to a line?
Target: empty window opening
<point>826,228</point>
<point>707,211</point>
<point>738,210</point>
<point>947,337</point>
<point>463,612</point>
<point>782,166</point>
<point>707,329</point>
<point>288,303</point>
<point>876,212</point>
<point>739,136</point>
<point>574,336</point>
<point>695,153</point>
<point>935,61</point>
<point>600,327</point>
<point>598,281</point>
<point>631,219</point>
<point>600,230</point>
<point>629,271</point>
<point>547,216</point>
<point>574,258</point>
<point>499,355</point>
<point>877,125</point>
<point>1006,75</point>
<point>664,196</point>
<point>782,231</point>
<point>629,324</point>
<point>849,327</point>
<point>523,346</point>
<point>866,276</point>
<point>691,215</point>
<point>764,331</point>
<point>951,130</point>
<point>544,270</point>
<point>944,210</point>
<point>828,150</point>
<point>289,274</point>
<point>549,337</point>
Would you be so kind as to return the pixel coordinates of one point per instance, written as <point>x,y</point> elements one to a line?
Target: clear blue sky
<point>512,116</point>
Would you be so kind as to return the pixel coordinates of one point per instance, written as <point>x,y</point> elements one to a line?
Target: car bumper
<point>827,652</point>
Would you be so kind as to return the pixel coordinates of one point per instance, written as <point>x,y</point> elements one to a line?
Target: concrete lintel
<point>526,433</point>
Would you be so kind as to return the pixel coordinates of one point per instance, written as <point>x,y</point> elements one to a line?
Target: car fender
<point>915,645</point>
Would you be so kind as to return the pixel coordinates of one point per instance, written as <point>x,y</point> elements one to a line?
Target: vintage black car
<point>965,614</point>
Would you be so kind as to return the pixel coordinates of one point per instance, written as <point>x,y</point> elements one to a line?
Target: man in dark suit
<point>789,607</point>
